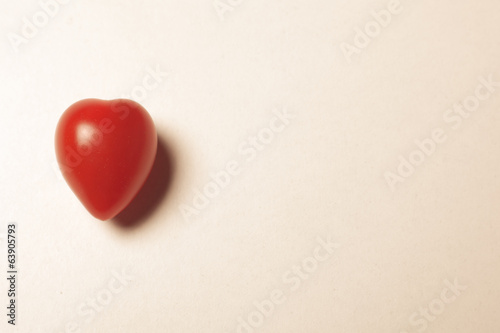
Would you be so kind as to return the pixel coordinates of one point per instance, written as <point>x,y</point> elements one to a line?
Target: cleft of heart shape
<point>105,150</point>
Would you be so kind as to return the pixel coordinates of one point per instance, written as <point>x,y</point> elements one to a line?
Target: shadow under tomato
<point>152,192</point>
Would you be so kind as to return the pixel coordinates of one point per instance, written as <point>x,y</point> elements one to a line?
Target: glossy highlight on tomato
<point>105,150</point>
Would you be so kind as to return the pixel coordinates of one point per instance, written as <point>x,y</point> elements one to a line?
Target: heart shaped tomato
<point>105,150</point>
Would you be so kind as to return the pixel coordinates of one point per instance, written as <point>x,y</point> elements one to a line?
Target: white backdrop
<point>372,206</point>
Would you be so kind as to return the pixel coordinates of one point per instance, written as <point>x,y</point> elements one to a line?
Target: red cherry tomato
<point>105,150</point>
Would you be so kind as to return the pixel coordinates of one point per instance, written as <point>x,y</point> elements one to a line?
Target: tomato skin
<point>105,150</point>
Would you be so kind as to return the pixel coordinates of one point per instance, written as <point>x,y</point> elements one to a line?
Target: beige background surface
<point>397,250</point>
